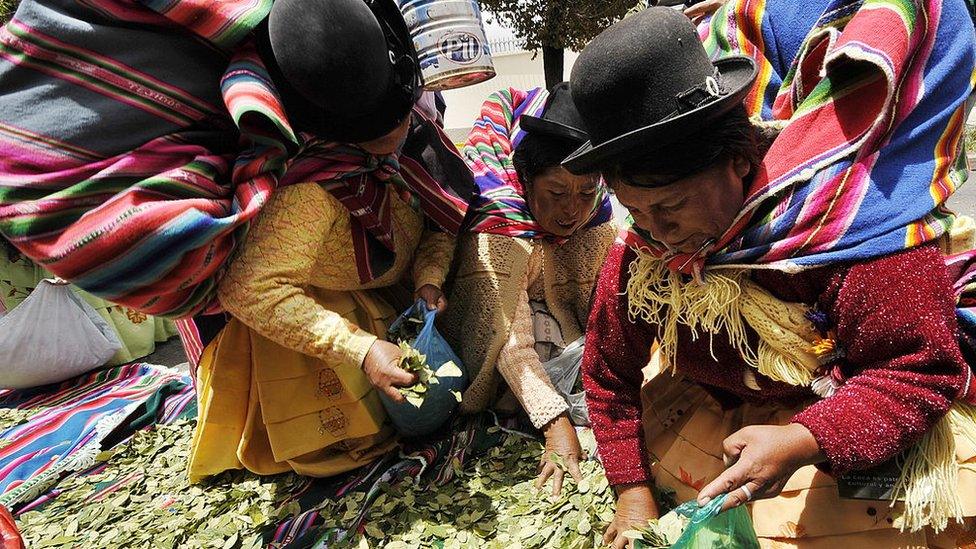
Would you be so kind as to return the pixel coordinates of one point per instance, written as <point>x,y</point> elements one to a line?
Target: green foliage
<point>658,533</point>
<point>557,23</point>
<point>153,505</point>
<point>11,417</point>
<point>970,137</point>
<point>412,361</point>
<point>7,9</point>
<point>144,500</point>
<point>492,503</point>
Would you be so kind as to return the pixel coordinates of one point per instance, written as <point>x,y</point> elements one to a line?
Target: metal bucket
<point>450,41</point>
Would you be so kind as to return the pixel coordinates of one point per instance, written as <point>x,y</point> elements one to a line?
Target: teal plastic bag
<point>711,528</point>
<point>708,528</point>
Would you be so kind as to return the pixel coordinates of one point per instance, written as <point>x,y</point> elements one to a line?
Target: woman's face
<point>686,212</point>
<point>560,201</point>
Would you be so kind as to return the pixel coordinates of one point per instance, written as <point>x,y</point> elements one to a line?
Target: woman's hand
<point>701,10</point>
<point>635,506</point>
<point>382,367</point>
<point>561,440</point>
<point>433,296</point>
<point>761,458</point>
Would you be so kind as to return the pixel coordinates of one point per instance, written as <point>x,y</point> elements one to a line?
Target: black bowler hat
<point>347,69</point>
<point>559,117</point>
<point>646,82</point>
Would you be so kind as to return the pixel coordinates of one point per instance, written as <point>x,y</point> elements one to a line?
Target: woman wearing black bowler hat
<point>194,117</point>
<point>194,111</point>
<point>263,159</point>
<point>526,266</point>
<point>292,382</point>
<point>788,268</point>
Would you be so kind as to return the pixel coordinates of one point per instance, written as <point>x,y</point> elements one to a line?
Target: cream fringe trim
<point>726,302</point>
<point>929,479</point>
<point>654,291</point>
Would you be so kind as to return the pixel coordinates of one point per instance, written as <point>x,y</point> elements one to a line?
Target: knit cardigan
<point>490,273</point>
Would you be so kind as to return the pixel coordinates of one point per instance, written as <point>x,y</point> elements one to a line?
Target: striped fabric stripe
<point>192,346</point>
<point>223,23</point>
<point>71,422</point>
<point>874,95</point>
<point>101,73</point>
<point>150,228</point>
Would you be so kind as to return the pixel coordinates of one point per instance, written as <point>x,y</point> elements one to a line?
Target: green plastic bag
<point>711,528</point>
<point>708,528</point>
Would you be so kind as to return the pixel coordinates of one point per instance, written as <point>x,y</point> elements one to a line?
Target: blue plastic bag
<point>439,401</point>
<point>711,528</point>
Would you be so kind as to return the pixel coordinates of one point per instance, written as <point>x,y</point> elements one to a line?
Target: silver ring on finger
<point>747,491</point>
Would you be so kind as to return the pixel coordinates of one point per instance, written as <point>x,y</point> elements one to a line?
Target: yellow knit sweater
<point>302,241</point>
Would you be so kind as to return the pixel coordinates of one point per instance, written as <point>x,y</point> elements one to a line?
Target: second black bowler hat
<point>559,117</point>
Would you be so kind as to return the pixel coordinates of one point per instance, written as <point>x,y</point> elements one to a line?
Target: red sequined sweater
<point>893,317</point>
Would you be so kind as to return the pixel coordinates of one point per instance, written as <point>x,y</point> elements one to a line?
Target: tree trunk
<point>552,62</point>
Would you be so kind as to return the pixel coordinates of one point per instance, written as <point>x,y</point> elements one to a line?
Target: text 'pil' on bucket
<point>451,46</point>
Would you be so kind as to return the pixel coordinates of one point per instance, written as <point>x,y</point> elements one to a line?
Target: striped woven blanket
<point>75,420</point>
<point>133,154</point>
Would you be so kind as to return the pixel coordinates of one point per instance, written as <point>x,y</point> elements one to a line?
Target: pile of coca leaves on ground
<point>139,497</point>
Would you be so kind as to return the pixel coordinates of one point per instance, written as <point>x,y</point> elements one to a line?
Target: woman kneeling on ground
<point>291,383</point>
<point>526,270</point>
<point>798,296</point>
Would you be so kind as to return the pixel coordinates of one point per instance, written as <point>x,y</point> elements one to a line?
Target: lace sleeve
<point>519,365</point>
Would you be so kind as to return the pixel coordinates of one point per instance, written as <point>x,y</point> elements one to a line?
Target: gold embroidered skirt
<point>270,409</point>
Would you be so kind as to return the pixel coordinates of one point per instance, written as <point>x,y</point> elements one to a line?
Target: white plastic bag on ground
<point>563,371</point>
<point>53,335</point>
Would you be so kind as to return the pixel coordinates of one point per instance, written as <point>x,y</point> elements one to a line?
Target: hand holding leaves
<point>635,507</point>
<point>382,367</point>
<point>415,363</point>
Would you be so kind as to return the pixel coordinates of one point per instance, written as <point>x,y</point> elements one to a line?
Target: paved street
<point>167,354</point>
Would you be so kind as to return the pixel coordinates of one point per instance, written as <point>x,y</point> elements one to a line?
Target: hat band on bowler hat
<point>697,96</point>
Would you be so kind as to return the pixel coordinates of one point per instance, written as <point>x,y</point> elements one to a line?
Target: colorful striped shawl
<point>873,97</point>
<point>74,419</point>
<point>500,207</point>
<point>139,187</point>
